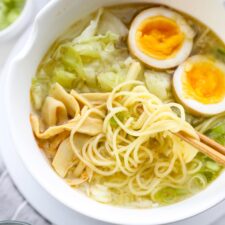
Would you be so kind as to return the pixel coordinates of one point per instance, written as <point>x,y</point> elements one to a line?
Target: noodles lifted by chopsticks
<point>119,147</point>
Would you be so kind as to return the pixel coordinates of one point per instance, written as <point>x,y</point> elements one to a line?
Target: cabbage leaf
<point>111,23</point>
<point>159,84</point>
<point>97,59</point>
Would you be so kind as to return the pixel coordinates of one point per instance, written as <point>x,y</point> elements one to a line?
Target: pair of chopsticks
<point>206,145</point>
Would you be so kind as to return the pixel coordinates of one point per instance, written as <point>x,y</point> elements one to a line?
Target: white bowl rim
<point>87,210</point>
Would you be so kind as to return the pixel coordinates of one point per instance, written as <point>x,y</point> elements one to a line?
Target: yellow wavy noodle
<point>51,145</point>
<point>71,104</point>
<point>53,112</point>
<point>64,158</point>
<point>121,145</point>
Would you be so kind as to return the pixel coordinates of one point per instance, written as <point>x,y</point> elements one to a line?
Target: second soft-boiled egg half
<point>160,38</point>
<point>199,84</point>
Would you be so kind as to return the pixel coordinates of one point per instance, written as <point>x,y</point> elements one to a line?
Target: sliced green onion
<point>212,166</point>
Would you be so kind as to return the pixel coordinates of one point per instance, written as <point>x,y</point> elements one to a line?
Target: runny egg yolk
<point>159,37</point>
<point>204,82</point>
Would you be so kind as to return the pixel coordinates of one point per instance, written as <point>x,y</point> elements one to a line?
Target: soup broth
<point>106,118</point>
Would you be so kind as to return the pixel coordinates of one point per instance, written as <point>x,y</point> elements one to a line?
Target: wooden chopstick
<point>207,146</point>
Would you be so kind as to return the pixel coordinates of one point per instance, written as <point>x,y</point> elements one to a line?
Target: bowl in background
<point>51,22</point>
<point>10,222</point>
<point>19,24</point>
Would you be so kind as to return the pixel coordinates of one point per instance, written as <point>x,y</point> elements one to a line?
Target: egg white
<point>194,106</point>
<point>182,53</point>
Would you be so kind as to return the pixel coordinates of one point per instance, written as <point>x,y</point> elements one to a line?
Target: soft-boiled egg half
<point>160,38</point>
<point>199,84</point>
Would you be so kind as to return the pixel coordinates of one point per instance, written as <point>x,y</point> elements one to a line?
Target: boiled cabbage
<point>97,59</point>
<point>159,84</point>
<point>111,23</point>
<point>39,90</point>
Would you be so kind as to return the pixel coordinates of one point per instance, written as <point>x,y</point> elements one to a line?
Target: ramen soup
<point>112,92</point>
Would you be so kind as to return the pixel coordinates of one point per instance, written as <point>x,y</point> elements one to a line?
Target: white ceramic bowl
<point>20,23</point>
<point>50,23</point>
